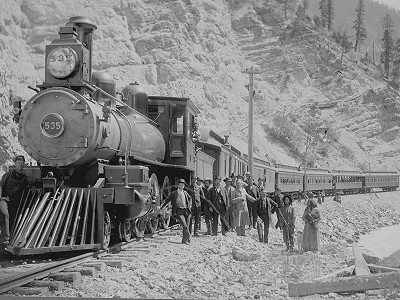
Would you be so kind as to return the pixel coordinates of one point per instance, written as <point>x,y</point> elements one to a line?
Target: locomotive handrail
<point>125,105</point>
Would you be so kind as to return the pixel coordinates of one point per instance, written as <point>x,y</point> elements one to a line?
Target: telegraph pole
<point>251,73</point>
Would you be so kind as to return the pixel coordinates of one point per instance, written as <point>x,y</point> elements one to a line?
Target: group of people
<point>240,203</point>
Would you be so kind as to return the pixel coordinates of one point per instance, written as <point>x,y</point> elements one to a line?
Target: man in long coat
<point>197,195</point>
<point>252,190</point>
<point>218,198</point>
<point>240,211</point>
<point>206,207</point>
<point>265,208</point>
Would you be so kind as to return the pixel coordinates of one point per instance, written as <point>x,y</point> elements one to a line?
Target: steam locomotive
<point>107,159</point>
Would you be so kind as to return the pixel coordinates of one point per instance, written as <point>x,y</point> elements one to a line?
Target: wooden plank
<point>380,269</point>
<point>392,261</point>
<point>361,267</point>
<point>349,270</point>
<point>345,284</point>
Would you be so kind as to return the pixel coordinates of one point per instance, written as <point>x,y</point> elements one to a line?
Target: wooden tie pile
<point>361,277</point>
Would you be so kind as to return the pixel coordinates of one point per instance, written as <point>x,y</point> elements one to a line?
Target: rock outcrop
<point>198,49</point>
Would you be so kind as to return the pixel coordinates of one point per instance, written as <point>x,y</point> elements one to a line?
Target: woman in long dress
<point>311,217</point>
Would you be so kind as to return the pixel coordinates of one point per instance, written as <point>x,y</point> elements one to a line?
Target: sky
<point>393,3</point>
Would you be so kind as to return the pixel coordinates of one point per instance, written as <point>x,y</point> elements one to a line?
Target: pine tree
<point>329,14</point>
<point>306,4</point>
<point>299,24</point>
<point>359,25</point>
<point>387,43</point>
<point>322,8</point>
<point>326,8</point>
<point>396,64</point>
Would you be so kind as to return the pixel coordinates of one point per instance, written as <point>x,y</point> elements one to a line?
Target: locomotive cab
<point>177,122</point>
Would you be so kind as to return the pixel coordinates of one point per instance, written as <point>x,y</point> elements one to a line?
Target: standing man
<point>196,193</point>
<point>206,207</point>
<point>265,208</point>
<point>229,189</point>
<point>181,208</point>
<point>12,185</point>
<point>218,198</point>
<point>288,218</point>
<point>278,199</point>
<point>253,191</point>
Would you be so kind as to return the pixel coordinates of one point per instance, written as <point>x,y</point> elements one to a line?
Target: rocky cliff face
<point>198,49</point>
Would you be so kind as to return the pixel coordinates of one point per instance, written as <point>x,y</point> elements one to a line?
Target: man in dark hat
<point>218,198</point>
<point>181,208</point>
<point>206,207</point>
<point>197,194</point>
<point>12,185</point>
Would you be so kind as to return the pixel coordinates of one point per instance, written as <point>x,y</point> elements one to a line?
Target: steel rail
<point>44,271</point>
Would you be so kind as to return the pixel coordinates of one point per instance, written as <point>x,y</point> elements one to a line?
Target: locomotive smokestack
<point>84,28</point>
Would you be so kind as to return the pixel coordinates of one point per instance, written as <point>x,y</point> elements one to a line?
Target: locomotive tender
<point>107,159</point>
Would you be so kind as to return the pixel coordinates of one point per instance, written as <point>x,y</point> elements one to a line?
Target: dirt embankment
<point>206,269</point>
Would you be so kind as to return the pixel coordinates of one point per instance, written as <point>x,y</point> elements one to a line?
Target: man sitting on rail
<point>12,185</point>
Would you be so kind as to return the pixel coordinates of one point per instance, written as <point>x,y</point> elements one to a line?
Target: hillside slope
<point>198,49</point>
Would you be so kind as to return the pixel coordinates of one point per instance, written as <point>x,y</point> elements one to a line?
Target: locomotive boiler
<point>107,159</point>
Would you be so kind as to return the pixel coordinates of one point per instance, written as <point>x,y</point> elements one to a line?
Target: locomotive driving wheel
<point>125,232</point>
<point>165,191</point>
<point>138,228</point>
<point>106,229</point>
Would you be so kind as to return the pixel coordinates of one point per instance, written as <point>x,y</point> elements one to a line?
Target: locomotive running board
<point>54,222</point>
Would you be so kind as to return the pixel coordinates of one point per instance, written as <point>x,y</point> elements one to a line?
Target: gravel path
<point>206,269</point>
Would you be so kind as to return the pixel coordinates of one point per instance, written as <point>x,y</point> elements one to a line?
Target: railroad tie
<point>23,290</point>
<point>99,266</point>
<point>53,285</point>
<point>72,277</point>
<point>85,271</point>
<point>113,263</point>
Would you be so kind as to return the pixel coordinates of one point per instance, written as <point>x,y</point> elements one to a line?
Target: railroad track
<point>44,271</point>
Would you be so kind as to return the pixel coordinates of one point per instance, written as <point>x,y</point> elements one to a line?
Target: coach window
<point>177,131</point>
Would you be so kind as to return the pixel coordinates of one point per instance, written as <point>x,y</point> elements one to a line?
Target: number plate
<point>52,125</point>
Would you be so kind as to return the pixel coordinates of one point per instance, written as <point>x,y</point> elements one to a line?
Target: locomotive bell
<point>136,97</point>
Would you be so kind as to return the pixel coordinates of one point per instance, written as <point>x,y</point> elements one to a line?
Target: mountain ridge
<point>198,49</point>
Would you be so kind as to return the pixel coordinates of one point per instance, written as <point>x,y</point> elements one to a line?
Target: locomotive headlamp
<point>62,62</point>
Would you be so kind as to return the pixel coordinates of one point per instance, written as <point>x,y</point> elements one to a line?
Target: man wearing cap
<point>229,190</point>
<point>218,198</point>
<point>181,208</point>
<point>12,185</point>
<point>206,207</point>
<point>196,193</point>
